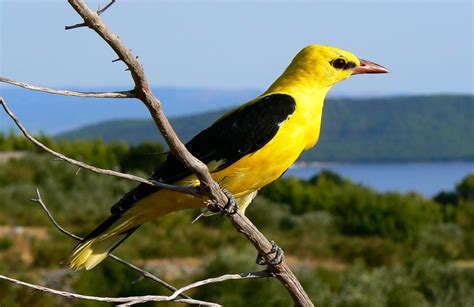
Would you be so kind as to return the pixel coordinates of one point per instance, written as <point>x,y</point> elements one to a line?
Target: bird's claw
<point>231,207</point>
<point>279,253</point>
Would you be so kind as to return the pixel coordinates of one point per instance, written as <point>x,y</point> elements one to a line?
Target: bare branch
<point>144,93</point>
<point>182,189</point>
<point>144,273</point>
<point>208,186</point>
<point>40,201</point>
<point>130,299</point>
<point>122,94</point>
<point>83,24</point>
<point>237,276</point>
<point>177,292</point>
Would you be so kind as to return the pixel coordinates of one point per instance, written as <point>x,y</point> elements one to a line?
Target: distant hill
<point>136,131</point>
<point>54,114</point>
<point>415,128</point>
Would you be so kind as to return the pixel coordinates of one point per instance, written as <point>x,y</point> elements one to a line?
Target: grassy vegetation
<point>115,155</point>
<point>349,245</point>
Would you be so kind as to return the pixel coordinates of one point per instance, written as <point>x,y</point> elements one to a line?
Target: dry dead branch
<point>207,188</point>
<point>129,301</point>
<point>146,274</point>
<point>126,301</point>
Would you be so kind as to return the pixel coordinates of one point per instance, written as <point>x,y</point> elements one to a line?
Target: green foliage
<point>116,155</point>
<point>112,278</point>
<point>444,285</point>
<point>372,251</point>
<point>387,287</point>
<point>465,189</point>
<point>349,245</point>
<point>464,192</point>
<point>458,207</point>
<point>465,219</point>
<point>261,292</point>
<point>359,210</point>
<point>81,199</point>
<point>146,157</point>
<point>390,215</point>
<point>441,241</point>
<point>425,283</point>
<point>12,141</point>
<point>5,243</point>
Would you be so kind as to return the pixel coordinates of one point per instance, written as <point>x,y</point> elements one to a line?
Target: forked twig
<point>127,301</point>
<point>132,300</point>
<point>83,24</point>
<point>237,276</point>
<point>144,273</point>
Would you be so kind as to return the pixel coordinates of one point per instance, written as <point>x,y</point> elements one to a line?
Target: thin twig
<point>129,299</point>
<point>121,94</point>
<point>144,273</point>
<point>40,201</point>
<point>83,24</point>
<point>105,7</point>
<point>237,276</point>
<point>182,189</point>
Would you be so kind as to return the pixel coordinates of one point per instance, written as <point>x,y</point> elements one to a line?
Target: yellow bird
<point>245,150</point>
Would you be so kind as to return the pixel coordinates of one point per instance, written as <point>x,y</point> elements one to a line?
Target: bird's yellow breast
<point>299,132</point>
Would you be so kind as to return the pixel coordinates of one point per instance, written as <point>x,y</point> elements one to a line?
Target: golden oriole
<point>244,150</point>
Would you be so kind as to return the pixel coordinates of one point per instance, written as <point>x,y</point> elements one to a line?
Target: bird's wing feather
<point>235,135</point>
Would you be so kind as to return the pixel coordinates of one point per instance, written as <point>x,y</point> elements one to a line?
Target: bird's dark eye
<point>338,63</point>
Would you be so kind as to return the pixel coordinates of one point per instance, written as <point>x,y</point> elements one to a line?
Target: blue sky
<point>428,45</point>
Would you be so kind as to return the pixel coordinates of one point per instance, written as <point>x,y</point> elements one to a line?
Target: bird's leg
<point>276,260</point>
<point>231,207</point>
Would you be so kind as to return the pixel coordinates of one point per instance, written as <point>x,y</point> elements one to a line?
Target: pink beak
<point>368,67</point>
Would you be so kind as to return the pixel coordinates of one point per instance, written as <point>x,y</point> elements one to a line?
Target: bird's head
<point>327,65</point>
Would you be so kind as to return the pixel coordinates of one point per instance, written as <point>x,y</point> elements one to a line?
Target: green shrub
<point>465,189</point>
<point>5,243</point>
<point>357,210</point>
<point>261,292</point>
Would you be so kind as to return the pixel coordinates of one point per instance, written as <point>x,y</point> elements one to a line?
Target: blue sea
<point>424,178</point>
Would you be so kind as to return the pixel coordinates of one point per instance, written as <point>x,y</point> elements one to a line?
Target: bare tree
<point>217,199</point>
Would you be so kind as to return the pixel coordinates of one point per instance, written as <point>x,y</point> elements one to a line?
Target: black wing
<point>235,135</point>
